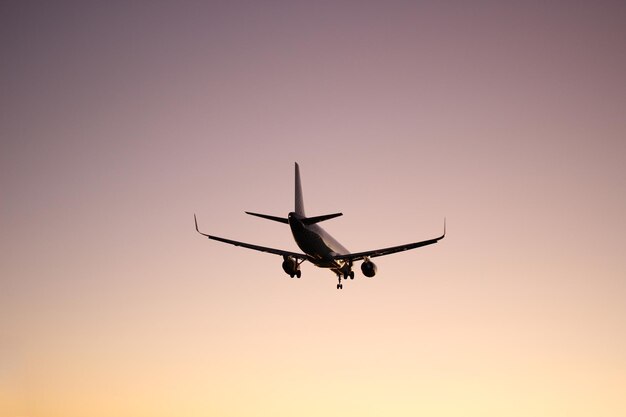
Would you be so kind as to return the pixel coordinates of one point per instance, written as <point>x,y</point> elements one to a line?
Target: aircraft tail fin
<point>268,217</point>
<point>299,206</point>
<point>317,219</point>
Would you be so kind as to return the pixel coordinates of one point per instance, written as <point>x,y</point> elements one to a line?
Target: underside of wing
<point>388,251</point>
<point>259,248</point>
<point>253,247</point>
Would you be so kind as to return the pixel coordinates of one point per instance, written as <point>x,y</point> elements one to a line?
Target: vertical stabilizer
<point>299,208</point>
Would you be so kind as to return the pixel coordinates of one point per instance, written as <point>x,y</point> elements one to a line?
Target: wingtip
<point>195,220</point>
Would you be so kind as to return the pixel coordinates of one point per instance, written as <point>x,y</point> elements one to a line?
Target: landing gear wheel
<point>351,274</point>
<point>298,273</point>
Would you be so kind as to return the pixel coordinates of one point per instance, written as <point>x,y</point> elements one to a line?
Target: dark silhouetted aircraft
<point>318,246</point>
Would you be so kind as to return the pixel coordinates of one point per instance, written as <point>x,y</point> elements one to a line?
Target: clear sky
<point>119,121</point>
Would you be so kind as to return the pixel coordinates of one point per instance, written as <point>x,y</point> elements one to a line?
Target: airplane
<point>320,248</point>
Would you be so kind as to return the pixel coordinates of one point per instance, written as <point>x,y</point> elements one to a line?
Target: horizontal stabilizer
<point>268,217</point>
<point>317,219</point>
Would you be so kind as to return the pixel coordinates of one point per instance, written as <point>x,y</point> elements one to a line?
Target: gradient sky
<point>119,121</point>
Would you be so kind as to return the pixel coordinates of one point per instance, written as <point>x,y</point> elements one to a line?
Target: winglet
<point>198,230</point>
<point>444,228</point>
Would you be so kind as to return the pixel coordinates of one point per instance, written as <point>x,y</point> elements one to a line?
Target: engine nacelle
<point>368,268</point>
<point>290,266</point>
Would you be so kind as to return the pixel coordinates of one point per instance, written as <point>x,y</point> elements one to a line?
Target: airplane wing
<point>254,247</point>
<point>388,251</point>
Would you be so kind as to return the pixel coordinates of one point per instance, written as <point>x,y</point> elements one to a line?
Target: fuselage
<point>314,241</point>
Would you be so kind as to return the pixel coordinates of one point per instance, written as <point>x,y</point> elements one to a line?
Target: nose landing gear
<point>346,272</point>
<point>339,284</point>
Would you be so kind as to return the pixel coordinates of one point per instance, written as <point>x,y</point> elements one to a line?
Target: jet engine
<point>368,268</point>
<point>291,267</point>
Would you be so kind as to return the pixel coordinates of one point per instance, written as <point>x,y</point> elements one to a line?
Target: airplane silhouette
<point>320,248</point>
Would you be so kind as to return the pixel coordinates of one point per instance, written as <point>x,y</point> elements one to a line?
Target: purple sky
<point>118,122</point>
